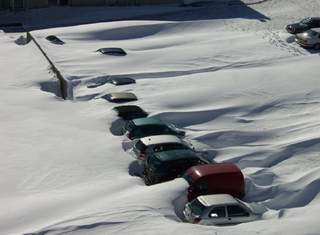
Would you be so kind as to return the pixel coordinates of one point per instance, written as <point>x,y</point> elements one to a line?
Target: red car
<point>215,179</point>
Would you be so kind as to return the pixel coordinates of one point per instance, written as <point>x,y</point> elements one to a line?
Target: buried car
<point>146,146</point>
<point>120,97</point>
<point>112,51</point>
<point>303,25</point>
<point>310,38</point>
<point>128,112</point>
<point>168,165</point>
<point>221,209</point>
<point>214,179</point>
<point>142,127</point>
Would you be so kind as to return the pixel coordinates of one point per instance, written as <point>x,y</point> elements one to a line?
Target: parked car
<point>310,38</point>
<point>128,112</point>
<point>121,80</point>
<point>112,51</point>
<point>120,97</point>
<point>54,39</point>
<point>168,165</point>
<point>214,179</point>
<point>221,209</point>
<point>146,146</point>
<point>304,25</point>
<point>142,127</point>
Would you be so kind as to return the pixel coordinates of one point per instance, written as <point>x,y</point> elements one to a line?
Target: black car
<point>128,112</point>
<point>168,165</point>
<point>303,25</point>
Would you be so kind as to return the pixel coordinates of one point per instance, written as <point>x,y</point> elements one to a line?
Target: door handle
<point>229,218</point>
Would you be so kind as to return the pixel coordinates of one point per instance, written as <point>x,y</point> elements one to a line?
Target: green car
<point>142,127</point>
<point>168,165</point>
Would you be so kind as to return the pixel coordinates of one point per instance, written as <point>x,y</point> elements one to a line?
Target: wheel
<point>316,46</point>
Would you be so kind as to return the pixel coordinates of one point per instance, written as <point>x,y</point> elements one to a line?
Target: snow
<point>226,71</point>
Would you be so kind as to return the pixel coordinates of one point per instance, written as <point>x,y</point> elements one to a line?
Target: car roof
<point>217,199</point>
<point>198,171</point>
<point>175,155</point>
<point>120,96</point>
<point>112,51</point>
<point>128,108</point>
<point>122,80</point>
<point>160,139</point>
<point>147,121</point>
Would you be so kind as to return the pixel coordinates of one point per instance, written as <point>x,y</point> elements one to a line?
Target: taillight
<point>197,220</point>
<point>130,136</point>
<point>143,154</point>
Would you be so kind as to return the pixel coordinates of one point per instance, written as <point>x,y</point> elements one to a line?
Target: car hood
<point>298,26</point>
<point>257,208</point>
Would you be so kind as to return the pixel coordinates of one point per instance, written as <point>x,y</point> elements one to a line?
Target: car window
<point>188,178</point>
<point>152,129</point>
<point>197,207</point>
<point>219,211</point>
<point>140,146</point>
<point>305,21</point>
<point>130,126</point>
<point>201,186</point>
<point>315,24</point>
<point>236,211</point>
<point>311,32</point>
<point>154,163</point>
<point>165,147</point>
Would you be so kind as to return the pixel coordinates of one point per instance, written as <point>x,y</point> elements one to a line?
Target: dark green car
<point>168,165</point>
<point>143,127</point>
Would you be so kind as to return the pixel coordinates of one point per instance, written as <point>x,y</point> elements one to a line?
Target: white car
<point>158,143</point>
<point>310,38</point>
<point>221,209</point>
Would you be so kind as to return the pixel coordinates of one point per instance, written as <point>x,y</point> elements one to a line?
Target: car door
<point>216,216</point>
<point>236,214</point>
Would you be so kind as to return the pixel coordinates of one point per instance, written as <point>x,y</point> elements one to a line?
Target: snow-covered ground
<point>226,71</point>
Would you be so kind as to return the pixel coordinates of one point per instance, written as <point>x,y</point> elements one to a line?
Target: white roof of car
<point>217,199</point>
<point>160,139</point>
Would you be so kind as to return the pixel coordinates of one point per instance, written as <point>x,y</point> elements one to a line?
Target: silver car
<point>221,209</point>
<point>157,143</point>
<point>310,38</point>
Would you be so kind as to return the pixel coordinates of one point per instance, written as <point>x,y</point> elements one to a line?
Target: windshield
<point>311,33</point>
<point>188,178</point>
<point>130,126</point>
<point>305,21</point>
<point>197,207</point>
<point>244,204</point>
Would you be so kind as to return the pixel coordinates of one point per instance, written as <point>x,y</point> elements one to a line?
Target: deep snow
<point>226,71</point>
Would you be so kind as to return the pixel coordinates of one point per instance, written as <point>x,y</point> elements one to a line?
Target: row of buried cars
<point>215,189</point>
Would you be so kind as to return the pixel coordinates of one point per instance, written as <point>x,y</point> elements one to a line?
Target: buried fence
<point>63,82</point>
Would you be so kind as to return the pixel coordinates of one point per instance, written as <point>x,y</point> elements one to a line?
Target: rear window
<point>130,126</point>
<point>153,163</point>
<point>165,147</point>
<point>140,146</point>
<point>188,178</point>
<point>311,33</point>
<point>197,207</point>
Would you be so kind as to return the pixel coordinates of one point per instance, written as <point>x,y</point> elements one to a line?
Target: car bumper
<point>303,43</point>
<point>289,30</point>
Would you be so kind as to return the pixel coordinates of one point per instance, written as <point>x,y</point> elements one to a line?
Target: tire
<point>316,46</point>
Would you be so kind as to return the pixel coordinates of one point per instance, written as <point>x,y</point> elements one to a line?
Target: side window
<point>315,24</point>
<point>218,212</point>
<point>153,129</point>
<point>201,186</point>
<point>236,211</point>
